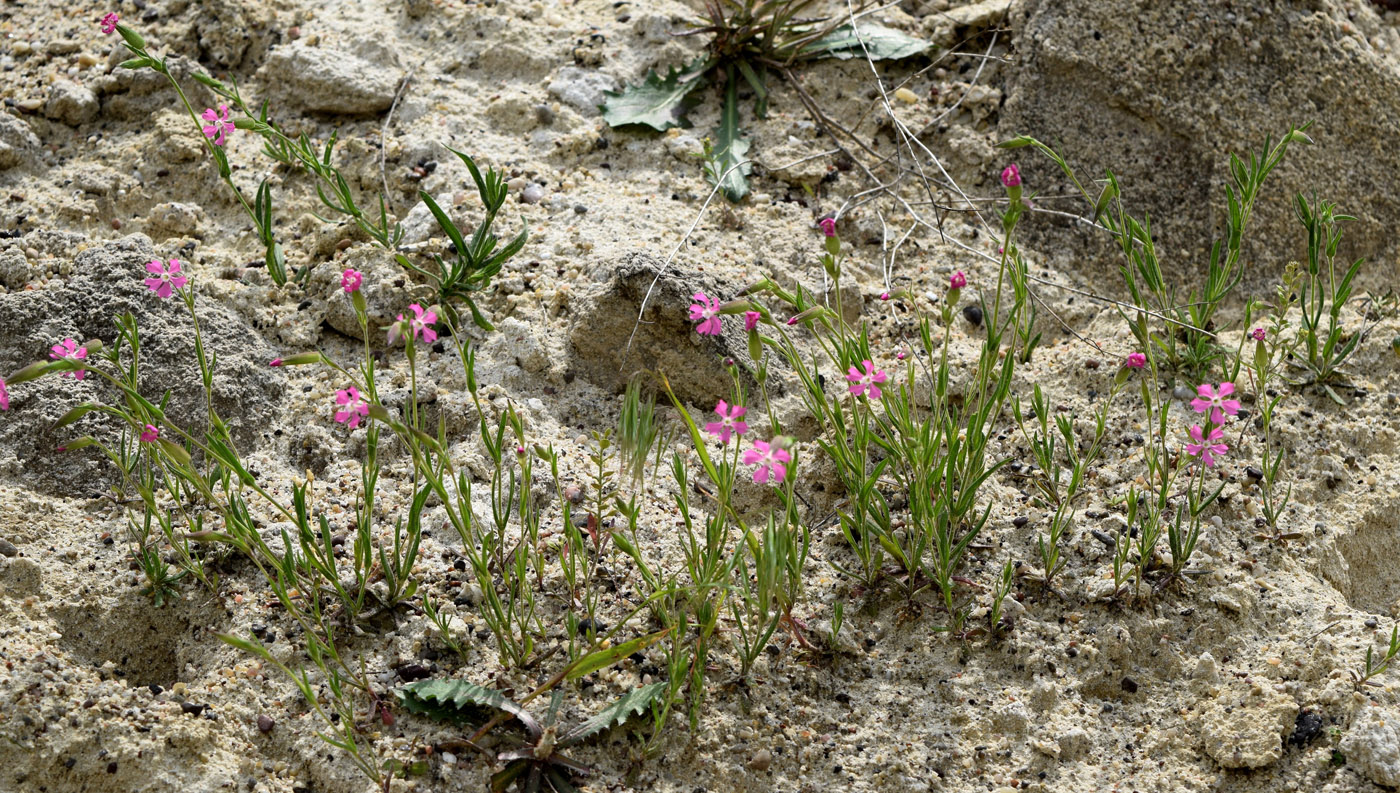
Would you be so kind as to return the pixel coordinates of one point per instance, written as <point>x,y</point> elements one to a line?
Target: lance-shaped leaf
<point>656,102</point>
<point>631,704</point>
<point>881,43</point>
<point>459,700</point>
<point>729,167</point>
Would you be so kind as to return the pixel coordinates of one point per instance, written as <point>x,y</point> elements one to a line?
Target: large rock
<point>1372,745</point>
<point>607,353</point>
<point>1244,727</point>
<point>107,281</point>
<point>329,80</point>
<point>1163,92</point>
<point>18,143</point>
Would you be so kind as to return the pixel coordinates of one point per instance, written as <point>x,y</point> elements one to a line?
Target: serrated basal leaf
<point>656,102</point>
<point>730,167</point>
<point>882,43</point>
<point>631,704</point>
<point>458,700</point>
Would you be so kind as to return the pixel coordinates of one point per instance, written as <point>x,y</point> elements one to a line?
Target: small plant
<point>1372,666</point>
<point>1324,289</point>
<point>749,39</point>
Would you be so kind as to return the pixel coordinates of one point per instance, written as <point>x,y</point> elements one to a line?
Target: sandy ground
<point>1238,681</point>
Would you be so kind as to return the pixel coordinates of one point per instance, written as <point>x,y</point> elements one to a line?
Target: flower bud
<point>174,451</point>
<point>31,372</point>
<point>93,346</point>
<point>300,359</point>
<point>76,444</point>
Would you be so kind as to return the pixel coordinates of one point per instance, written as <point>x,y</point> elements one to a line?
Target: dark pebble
<point>544,113</point>
<point>112,767</point>
<point>191,708</point>
<point>1130,685</point>
<point>580,209</point>
<point>589,625</point>
<point>155,689</point>
<point>1306,728</point>
<point>411,672</point>
<point>1371,622</point>
<point>1020,521</point>
<point>973,314</point>
<point>8,548</point>
<point>265,724</point>
<point>1253,473</point>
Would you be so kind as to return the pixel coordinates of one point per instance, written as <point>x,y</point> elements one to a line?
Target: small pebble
<point>761,760</point>
<point>544,114</point>
<point>265,724</point>
<point>973,314</point>
<point>532,193</point>
<point>906,96</point>
<point>8,548</point>
<point>1183,393</point>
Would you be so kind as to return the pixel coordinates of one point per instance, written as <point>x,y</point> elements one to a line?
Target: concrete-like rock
<point>18,143</point>
<point>330,81</point>
<point>1372,745</point>
<point>607,353</point>
<point>107,281</point>
<point>71,103</point>
<point>581,89</point>
<point>1244,727</point>
<point>1162,93</point>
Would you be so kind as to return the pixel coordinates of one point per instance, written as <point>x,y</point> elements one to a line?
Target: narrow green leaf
<point>656,102</point>
<point>600,659</point>
<point>444,222</point>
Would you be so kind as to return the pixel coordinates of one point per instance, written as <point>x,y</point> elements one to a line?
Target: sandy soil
<point>1238,681</point>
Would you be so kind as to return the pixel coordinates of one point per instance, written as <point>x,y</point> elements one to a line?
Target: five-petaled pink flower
<point>957,280</point>
<point>351,280</point>
<point>751,319</point>
<point>828,226</point>
<point>353,407</point>
<point>1011,177</point>
<point>771,459</point>
<point>149,434</point>
<point>1209,399</point>
<point>869,379</point>
<point>1207,445</point>
<point>4,395</point>
<point>706,310</point>
<point>730,422</point>
<point>70,349</point>
<point>165,278</point>
<point>219,124</point>
<point>421,326</point>
<point>1136,360</point>
<point>1258,334</point>
<point>109,23</point>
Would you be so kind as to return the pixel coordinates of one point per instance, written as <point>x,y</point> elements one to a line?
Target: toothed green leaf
<point>730,167</point>
<point>656,102</point>
<point>631,704</point>
<point>882,43</point>
<point>458,700</point>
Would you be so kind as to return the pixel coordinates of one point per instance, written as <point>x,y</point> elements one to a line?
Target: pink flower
<point>706,310</point>
<point>354,407</point>
<point>275,362</point>
<point>860,382</point>
<point>751,319</point>
<point>1207,445</point>
<point>1209,399</point>
<point>109,23</point>
<point>730,423</point>
<point>792,320</point>
<point>351,280</point>
<point>1258,334</point>
<point>70,349</point>
<point>1136,360</point>
<point>4,396</point>
<point>901,355</point>
<point>1011,177</point>
<point>828,226</point>
<point>166,278</point>
<point>957,280</point>
<point>771,459</point>
<point>421,326</point>
<point>884,295</point>
<point>149,434</point>
<point>219,124</point>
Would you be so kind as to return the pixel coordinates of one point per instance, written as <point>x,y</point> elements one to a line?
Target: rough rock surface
<point>1176,87</point>
<point>1372,745</point>
<point>107,281</point>
<point>1244,728</point>
<point>330,80</point>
